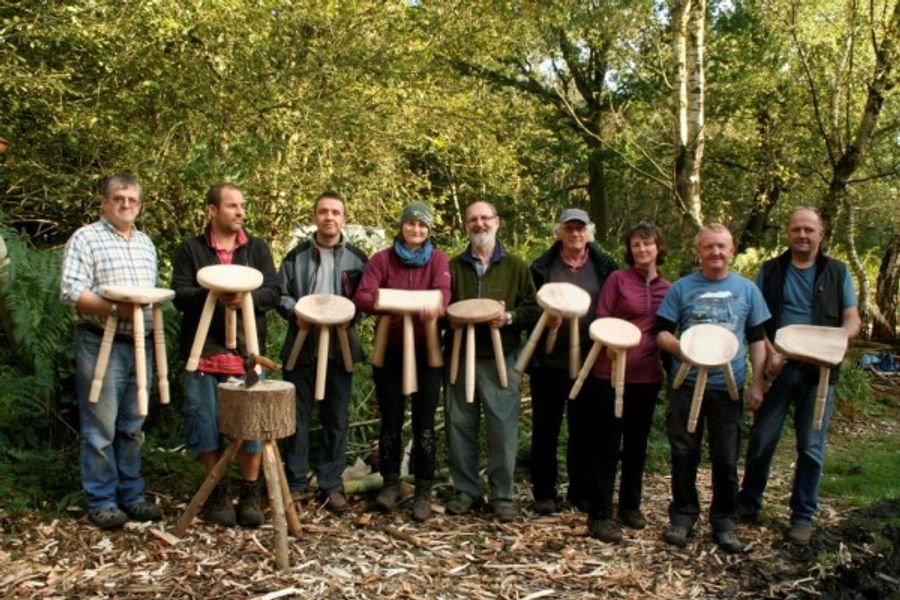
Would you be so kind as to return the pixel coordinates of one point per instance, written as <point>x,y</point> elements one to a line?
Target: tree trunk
<point>689,23</point>
<point>769,183</point>
<point>886,293</point>
<point>885,58</point>
<point>862,278</point>
<point>597,190</point>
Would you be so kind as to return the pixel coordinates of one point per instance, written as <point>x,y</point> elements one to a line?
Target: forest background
<point>679,112</point>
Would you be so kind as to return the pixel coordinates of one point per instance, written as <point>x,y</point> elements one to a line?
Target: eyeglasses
<point>480,219</point>
<point>125,200</point>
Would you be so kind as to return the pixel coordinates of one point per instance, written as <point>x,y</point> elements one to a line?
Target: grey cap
<point>574,214</point>
<point>418,211</point>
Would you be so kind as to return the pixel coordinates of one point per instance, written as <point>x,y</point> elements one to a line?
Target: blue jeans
<point>795,385</point>
<point>111,436</point>
<point>201,414</point>
<point>334,414</point>
<point>501,416</point>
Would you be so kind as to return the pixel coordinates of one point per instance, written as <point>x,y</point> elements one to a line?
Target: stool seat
<point>618,336</point>
<point>706,346</point>
<point>229,278</point>
<point>136,294</point>
<point>324,310</point>
<point>469,313</point>
<point>564,300</point>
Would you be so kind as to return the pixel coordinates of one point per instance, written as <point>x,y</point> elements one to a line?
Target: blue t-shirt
<point>797,298</point>
<point>734,303</point>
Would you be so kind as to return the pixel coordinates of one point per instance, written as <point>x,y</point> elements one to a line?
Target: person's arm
<point>373,277</point>
<point>268,295</point>
<point>526,311</point>
<point>756,338</point>
<point>189,295</point>
<point>610,293</point>
<point>286,287</point>
<point>851,322</point>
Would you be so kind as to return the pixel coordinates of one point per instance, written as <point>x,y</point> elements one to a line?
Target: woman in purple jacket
<point>412,263</point>
<point>631,294</point>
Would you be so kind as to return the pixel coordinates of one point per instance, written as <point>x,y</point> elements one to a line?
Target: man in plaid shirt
<point>110,251</point>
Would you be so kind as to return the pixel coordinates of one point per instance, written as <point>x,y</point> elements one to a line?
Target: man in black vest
<point>802,286</point>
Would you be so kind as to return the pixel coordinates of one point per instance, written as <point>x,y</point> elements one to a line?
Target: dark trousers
<point>392,405</point>
<point>334,415</point>
<point>722,416</point>
<point>549,399</point>
<point>622,439</point>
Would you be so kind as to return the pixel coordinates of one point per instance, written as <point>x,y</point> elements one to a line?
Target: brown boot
<point>218,507</point>
<point>389,494</point>
<point>249,512</point>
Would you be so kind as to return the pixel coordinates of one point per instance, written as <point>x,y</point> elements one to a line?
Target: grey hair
<point>490,205</point>
<point>119,181</point>
<point>712,228</point>
<point>807,208</point>
<point>591,230</point>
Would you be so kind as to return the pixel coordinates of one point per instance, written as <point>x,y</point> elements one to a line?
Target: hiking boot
<point>336,503</point>
<point>544,506</point>
<point>799,534</point>
<point>632,518</point>
<point>143,511</point>
<point>421,510</point>
<point>249,512</point>
<point>110,517</point>
<point>504,512</point>
<point>604,530</point>
<point>389,494</point>
<point>218,508</point>
<point>676,535</point>
<point>461,504</point>
<point>728,542</point>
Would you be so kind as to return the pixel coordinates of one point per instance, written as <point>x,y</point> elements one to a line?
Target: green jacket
<point>508,280</point>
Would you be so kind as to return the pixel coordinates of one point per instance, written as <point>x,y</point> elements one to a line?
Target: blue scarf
<point>413,258</point>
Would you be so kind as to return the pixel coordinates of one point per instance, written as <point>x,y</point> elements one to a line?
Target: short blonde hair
<point>712,228</point>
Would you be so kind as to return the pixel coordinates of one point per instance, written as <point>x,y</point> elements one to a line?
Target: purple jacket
<point>386,270</point>
<point>627,295</point>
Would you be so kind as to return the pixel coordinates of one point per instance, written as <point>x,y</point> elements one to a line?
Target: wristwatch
<point>114,309</point>
<point>509,318</point>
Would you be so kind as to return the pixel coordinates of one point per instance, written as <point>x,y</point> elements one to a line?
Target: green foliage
<point>863,470</point>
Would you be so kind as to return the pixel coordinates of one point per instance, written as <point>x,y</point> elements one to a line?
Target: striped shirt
<point>98,255</point>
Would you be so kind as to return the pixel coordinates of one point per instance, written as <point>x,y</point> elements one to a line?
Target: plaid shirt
<point>98,255</point>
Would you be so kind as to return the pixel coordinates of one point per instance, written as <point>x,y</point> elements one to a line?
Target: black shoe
<point>745,515</point>
<point>389,494</point>
<point>578,503</point>
<point>504,512</point>
<point>544,506</point>
<point>110,517</point>
<point>249,511</point>
<point>143,511</point>
<point>218,508</point>
<point>461,504</point>
<point>728,542</point>
<point>604,530</point>
<point>632,518</point>
<point>676,535</point>
<point>421,510</point>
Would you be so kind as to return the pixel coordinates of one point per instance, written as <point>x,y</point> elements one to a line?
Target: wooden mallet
<point>564,300</point>
<point>407,303</point>
<point>324,310</point>
<point>618,336</point>
<point>817,345</point>
<point>139,297</point>
<point>706,346</point>
<point>468,313</point>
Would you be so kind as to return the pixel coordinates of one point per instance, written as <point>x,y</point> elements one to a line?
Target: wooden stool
<point>564,300</point>
<point>469,313</point>
<point>140,297</point>
<point>324,310</point>
<point>817,345</point>
<point>706,346</point>
<point>407,303</point>
<point>618,336</point>
<point>226,279</point>
<point>266,411</point>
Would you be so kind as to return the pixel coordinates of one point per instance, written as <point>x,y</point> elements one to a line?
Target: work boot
<point>421,510</point>
<point>390,492</point>
<point>728,542</point>
<point>677,535</point>
<point>110,517</point>
<point>632,518</point>
<point>336,502</point>
<point>544,506</point>
<point>143,511</point>
<point>249,512</point>
<point>604,530</point>
<point>218,507</point>
<point>799,534</point>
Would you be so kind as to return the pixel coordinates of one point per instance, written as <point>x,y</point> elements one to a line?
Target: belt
<point>123,338</point>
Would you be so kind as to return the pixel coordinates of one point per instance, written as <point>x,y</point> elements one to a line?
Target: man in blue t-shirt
<point>711,295</point>
<point>802,286</point>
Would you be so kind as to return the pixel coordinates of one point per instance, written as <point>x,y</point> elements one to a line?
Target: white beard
<point>483,240</point>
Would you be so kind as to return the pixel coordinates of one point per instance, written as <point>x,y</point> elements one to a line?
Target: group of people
<point>801,286</point>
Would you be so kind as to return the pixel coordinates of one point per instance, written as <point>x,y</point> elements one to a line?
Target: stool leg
<point>345,348</point>
<point>409,357</point>
<point>499,357</point>
<point>550,344</point>
<point>470,363</point>
<point>531,344</point>
<point>619,379</point>
<point>202,329</point>
<point>434,344</point>
<point>109,333</point>
<point>683,371</point>
<point>295,350</point>
<point>248,315</point>
<point>322,361</point>
<point>159,353</point>
<point>379,344</point>
<point>574,348</point>
<point>454,354</point>
<point>276,501</point>
<point>697,399</point>
<point>293,520</point>
<point>230,328</point>
<point>212,480</point>
<point>140,360</point>
<point>821,394</point>
<point>585,369</point>
<point>730,382</point>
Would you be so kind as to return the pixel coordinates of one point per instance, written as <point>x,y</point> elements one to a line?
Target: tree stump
<point>266,411</point>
